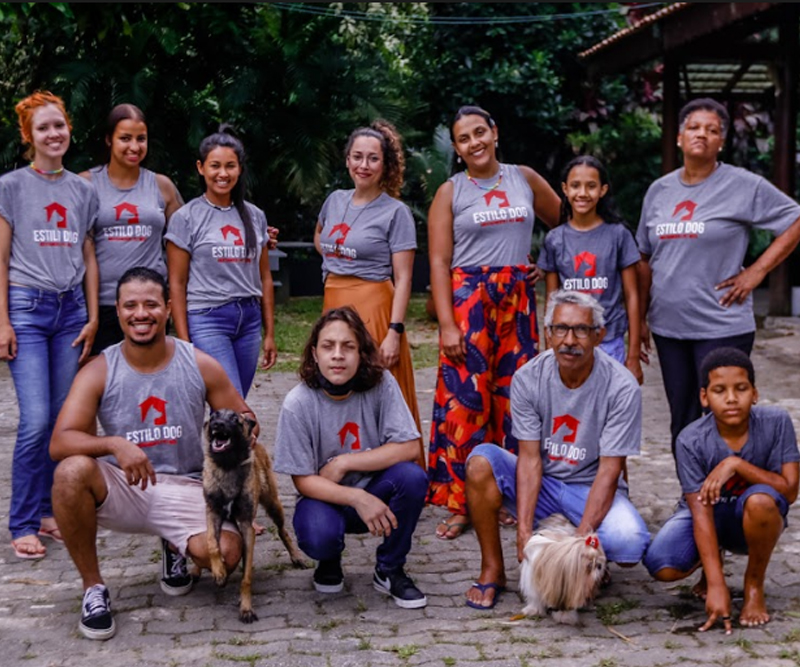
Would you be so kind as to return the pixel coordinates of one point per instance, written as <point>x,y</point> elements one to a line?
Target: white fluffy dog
<point>561,572</point>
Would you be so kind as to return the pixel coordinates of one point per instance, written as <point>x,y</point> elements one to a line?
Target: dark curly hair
<point>394,161</point>
<point>722,357</point>
<point>370,370</point>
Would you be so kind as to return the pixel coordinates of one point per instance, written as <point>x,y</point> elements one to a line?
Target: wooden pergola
<point>732,52</point>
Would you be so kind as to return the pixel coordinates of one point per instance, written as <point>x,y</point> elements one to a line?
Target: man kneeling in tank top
<point>144,474</point>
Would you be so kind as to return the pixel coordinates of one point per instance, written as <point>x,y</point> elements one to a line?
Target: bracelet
<point>399,327</point>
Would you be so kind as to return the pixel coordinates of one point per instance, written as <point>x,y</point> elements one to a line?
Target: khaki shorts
<point>173,508</point>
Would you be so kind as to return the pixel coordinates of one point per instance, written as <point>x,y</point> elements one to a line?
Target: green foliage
<point>631,150</point>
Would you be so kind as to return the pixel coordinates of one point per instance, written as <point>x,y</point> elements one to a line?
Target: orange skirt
<point>373,302</point>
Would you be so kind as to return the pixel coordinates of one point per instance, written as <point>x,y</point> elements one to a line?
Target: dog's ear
<point>248,425</point>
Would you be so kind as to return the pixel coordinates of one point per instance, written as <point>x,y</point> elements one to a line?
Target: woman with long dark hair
<point>135,205</point>
<point>480,226</point>
<point>219,277</point>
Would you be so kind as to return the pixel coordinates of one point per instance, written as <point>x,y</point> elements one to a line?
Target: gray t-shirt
<point>700,448</point>
<point>602,417</point>
<point>49,223</point>
<point>161,412</point>
<point>130,224</point>
<point>220,268</point>
<point>697,236</point>
<point>360,240</point>
<point>492,227</point>
<point>592,262</point>
<point>313,428</point>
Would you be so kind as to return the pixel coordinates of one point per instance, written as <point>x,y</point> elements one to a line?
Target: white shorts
<point>173,508</point>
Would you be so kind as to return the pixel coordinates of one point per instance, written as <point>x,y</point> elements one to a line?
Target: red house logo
<point>689,206</point>
<point>56,209</point>
<point>157,404</point>
<point>589,260</point>
<point>350,432</point>
<point>489,197</point>
<point>130,209</point>
<point>229,230</point>
<point>342,228</point>
<point>571,424</point>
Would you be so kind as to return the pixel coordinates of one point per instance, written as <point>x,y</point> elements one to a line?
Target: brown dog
<point>237,476</point>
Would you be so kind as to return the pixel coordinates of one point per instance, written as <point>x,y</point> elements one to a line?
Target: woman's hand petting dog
<point>380,520</point>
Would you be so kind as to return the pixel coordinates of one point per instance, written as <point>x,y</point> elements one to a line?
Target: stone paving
<point>635,622</point>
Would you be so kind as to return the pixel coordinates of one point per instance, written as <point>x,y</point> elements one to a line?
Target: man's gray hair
<point>563,297</point>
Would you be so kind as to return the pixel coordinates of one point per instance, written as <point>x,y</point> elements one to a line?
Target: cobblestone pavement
<point>635,622</point>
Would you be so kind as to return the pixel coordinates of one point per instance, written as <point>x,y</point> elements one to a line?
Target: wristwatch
<point>399,327</point>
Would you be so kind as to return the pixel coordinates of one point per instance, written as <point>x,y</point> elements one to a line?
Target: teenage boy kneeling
<point>738,468</point>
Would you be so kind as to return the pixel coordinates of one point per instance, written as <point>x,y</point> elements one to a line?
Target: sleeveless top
<point>492,227</point>
<point>130,224</point>
<point>161,412</point>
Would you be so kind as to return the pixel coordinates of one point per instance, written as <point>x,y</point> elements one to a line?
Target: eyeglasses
<point>580,330</point>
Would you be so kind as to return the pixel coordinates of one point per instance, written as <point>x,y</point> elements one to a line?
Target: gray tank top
<point>130,224</point>
<point>492,227</point>
<point>162,412</point>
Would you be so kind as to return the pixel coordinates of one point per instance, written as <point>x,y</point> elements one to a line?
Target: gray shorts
<point>173,508</point>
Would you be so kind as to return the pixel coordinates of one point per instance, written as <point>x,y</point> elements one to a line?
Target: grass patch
<point>293,322</point>
<point>608,613</point>
<point>405,652</point>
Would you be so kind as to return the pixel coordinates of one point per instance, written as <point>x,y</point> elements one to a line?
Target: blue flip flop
<point>483,588</point>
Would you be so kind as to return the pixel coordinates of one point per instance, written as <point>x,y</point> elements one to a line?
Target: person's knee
<point>230,546</point>
<point>75,473</point>
<point>319,529</point>
<point>625,543</point>
<point>761,507</point>
<point>413,479</point>
<point>479,467</point>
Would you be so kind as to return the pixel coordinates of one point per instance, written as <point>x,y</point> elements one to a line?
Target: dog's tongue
<point>220,445</point>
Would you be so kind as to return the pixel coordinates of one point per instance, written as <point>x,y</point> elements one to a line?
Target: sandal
<point>497,588</point>
<point>453,528</point>
<point>52,533</point>
<point>26,549</point>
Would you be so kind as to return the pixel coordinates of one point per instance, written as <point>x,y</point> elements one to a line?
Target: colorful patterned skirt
<point>373,302</point>
<point>495,308</point>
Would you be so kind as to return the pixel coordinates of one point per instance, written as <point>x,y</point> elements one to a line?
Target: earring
<point>458,159</point>
<point>496,144</point>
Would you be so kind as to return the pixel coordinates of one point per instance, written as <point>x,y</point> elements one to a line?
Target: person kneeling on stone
<point>738,468</point>
<point>143,475</point>
<point>577,414</point>
<point>347,438</point>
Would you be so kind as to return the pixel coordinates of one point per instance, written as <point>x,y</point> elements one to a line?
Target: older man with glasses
<point>578,414</point>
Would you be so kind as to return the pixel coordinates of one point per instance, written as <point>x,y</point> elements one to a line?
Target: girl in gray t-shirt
<point>592,251</point>
<point>134,206</point>
<point>219,277</point>
<point>48,309</point>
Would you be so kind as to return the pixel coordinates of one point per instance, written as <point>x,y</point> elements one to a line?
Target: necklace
<point>338,246</point>
<point>483,187</point>
<point>45,172</point>
<point>213,205</point>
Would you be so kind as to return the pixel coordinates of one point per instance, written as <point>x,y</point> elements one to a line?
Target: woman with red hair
<point>48,304</point>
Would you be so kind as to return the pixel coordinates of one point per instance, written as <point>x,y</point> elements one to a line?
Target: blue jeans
<point>45,324</point>
<point>320,527</point>
<point>674,546</point>
<point>622,533</point>
<point>231,333</point>
<point>615,348</point>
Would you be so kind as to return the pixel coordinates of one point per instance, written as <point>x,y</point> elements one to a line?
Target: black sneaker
<point>96,619</point>
<point>175,577</point>
<point>328,577</point>
<point>400,586</point>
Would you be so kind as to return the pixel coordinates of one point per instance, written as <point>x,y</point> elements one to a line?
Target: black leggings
<point>680,367</point>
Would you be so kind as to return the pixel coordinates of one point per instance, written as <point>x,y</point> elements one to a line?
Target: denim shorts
<point>622,533</point>
<point>674,546</point>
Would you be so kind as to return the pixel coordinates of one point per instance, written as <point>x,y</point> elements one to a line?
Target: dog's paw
<point>220,576</point>
<point>247,616</point>
<point>566,617</point>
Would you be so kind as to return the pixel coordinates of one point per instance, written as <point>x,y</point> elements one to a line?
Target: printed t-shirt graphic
<point>49,236</point>
<point>349,436</point>
<point>359,240</point>
<point>156,429</point>
<point>575,427</point>
<point>696,236</point>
